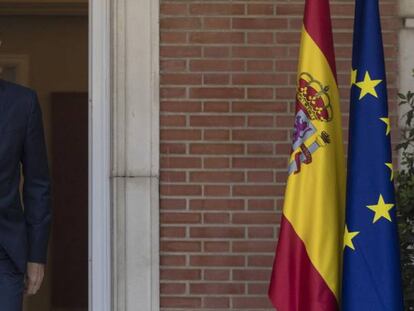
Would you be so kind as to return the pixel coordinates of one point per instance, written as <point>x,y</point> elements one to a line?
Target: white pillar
<point>135,150</point>
<point>406,48</point>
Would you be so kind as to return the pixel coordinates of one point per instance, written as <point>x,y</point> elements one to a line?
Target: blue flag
<point>371,275</point>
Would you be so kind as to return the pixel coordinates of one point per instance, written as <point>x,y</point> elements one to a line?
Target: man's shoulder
<point>16,89</point>
<point>19,97</point>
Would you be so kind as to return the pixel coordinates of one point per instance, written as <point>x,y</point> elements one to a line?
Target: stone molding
<point>406,8</point>
<point>135,154</point>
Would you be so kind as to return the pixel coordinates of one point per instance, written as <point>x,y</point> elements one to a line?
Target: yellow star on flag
<point>387,122</point>
<point>353,76</point>
<point>368,86</point>
<point>389,165</point>
<point>381,209</point>
<point>348,236</point>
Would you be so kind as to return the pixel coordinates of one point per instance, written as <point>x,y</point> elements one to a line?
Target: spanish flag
<point>307,268</point>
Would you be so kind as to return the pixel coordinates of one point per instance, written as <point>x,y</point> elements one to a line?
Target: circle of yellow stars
<point>381,209</point>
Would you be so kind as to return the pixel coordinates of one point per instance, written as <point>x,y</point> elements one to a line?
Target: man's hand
<point>34,277</point>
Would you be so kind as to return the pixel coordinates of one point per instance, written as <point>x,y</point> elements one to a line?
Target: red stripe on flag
<point>317,22</point>
<point>295,283</point>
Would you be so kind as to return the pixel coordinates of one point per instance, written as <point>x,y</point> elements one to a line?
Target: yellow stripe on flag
<point>315,197</point>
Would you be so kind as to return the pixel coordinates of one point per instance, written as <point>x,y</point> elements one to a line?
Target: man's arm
<point>36,187</point>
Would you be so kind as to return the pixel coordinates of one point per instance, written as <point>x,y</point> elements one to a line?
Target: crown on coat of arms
<point>313,98</point>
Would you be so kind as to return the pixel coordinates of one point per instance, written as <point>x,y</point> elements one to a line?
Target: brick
<point>256,162</point>
<point>260,121</point>
<point>172,92</point>
<point>257,107</point>
<point>216,121</point>
<point>216,149</point>
<point>180,23</point>
<point>172,288</point>
<point>172,232</point>
<point>216,274</point>
<point>216,79</point>
<point>263,205</point>
<point>216,135</point>
<point>172,148</point>
<point>251,275</point>
<point>217,23</point>
<point>180,302</point>
<point>173,65</point>
<point>260,261</point>
<point>261,79</point>
<point>260,232</point>
<point>216,261</point>
<point>217,191</point>
<point>252,303</point>
<point>180,51</point>
<point>216,204</point>
<point>260,65</point>
<point>179,190</point>
<point>257,288</point>
<point>180,246</point>
<point>180,106</point>
<point>260,93</point>
<point>216,162</point>
<point>206,9</point>
<point>173,38</point>
<point>260,149</point>
<point>172,134</point>
<point>260,38</point>
<point>172,260</point>
<point>260,9</point>
<point>260,135</point>
<point>177,218</point>
<point>172,204</point>
<point>259,23</point>
<point>170,121</point>
<point>216,107</point>
<point>217,288</point>
<point>172,176</point>
<point>256,218</point>
<point>216,51</point>
<point>206,65</point>
<point>219,177</point>
<point>180,162</point>
<point>259,52</point>
<point>173,9</point>
<point>216,92</point>
<point>217,232</point>
<point>215,246</point>
<point>216,302</point>
<point>180,79</point>
<point>216,218</point>
<point>216,37</point>
<point>260,176</point>
<point>254,247</point>
<point>180,274</point>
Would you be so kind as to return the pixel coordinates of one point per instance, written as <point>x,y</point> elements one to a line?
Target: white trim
<point>99,157</point>
<point>135,171</point>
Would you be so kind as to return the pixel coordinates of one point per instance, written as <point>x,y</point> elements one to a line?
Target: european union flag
<point>371,275</point>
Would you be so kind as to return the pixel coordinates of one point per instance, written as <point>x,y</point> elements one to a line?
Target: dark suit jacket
<point>24,232</point>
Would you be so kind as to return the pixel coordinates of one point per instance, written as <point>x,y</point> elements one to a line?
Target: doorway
<point>45,47</point>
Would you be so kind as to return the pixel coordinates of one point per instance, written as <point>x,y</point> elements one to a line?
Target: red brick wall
<point>228,71</point>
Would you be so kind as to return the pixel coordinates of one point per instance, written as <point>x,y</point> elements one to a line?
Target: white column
<point>135,155</point>
<point>406,48</point>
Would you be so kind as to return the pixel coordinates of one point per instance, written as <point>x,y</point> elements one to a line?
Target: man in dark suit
<point>24,226</point>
